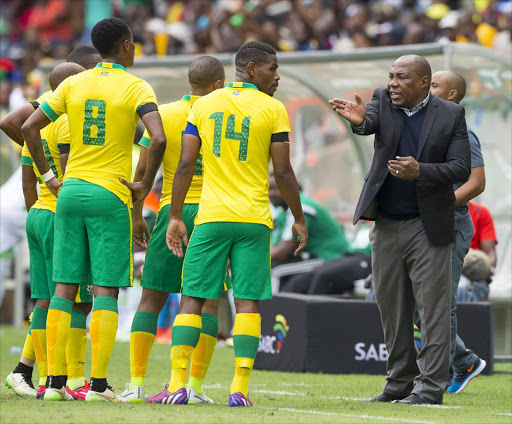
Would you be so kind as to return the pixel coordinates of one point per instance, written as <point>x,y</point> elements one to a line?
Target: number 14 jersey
<point>103,107</point>
<point>236,125</point>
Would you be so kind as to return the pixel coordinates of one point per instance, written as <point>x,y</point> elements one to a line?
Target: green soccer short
<point>40,236</point>
<point>162,270</point>
<point>246,245</point>
<point>93,229</point>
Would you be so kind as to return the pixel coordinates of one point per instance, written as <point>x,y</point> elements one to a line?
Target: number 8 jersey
<point>236,126</point>
<point>103,107</point>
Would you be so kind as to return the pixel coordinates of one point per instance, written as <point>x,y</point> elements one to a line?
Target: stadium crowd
<point>35,30</point>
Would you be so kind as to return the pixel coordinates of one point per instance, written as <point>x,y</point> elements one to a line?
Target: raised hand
<point>352,112</point>
<point>405,168</point>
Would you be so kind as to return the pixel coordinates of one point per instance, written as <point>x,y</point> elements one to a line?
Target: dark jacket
<point>443,154</point>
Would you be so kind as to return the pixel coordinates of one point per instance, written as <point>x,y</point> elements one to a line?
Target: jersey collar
<point>190,98</point>
<point>109,65</point>
<point>240,84</point>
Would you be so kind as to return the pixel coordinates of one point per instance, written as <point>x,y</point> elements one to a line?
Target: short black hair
<point>253,51</point>
<point>86,56</point>
<point>204,71</point>
<point>108,34</point>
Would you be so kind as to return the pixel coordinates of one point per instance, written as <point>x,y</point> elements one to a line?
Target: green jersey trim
<point>144,141</point>
<point>26,161</point>
<point>239,84</point>
<point>108,65</point>
<point>48,111</point>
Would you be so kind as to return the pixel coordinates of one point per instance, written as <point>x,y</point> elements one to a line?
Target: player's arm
<point>287,183</point>
<point>176,230</point>
<point>140,227</point>
<point>489,247</point>
<point>31,133</point>
<point>11,123</point>
<point>154,126</point>
<point>472,187</point>
<point>29,185</point>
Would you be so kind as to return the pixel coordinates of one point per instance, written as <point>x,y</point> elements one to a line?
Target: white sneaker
<point>106,396</point>
<point>194,397</point>
<point>18,383</point>
<point>134,395</point>
<point>57,394</point>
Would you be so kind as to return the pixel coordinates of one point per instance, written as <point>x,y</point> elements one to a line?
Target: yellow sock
<point>75,352</point>
<point>57,331</point>
<point>39,340</point>
<point>246,336</point>
<point>103,336</point>
<point>140,348</point>
<point>201,359</point>
<point>185,336</point>
<point>28,348</point>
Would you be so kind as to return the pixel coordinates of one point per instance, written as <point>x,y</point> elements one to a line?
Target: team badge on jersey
<point>104,74</point>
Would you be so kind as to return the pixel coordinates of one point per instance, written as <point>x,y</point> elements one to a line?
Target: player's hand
<point>140,229</point>
<point>176,236</point>
<point>405,168</point>
<point>139,191</point>
<point>352,112</point>
<point>299,229</point>
<point>54,185</point>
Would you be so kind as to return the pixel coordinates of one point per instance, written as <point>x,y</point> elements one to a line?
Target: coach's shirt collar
<point>417,108</point>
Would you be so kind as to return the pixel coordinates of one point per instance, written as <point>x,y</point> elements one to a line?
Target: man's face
<point>266,77</point>
<point>405,86</point>
<point>274,194</point>
<point>439,86</point>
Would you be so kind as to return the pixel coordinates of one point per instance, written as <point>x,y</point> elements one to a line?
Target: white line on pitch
<point>504,413</point>
<point>333,414</point>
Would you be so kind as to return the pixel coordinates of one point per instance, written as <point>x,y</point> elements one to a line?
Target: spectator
<point>484,239</point>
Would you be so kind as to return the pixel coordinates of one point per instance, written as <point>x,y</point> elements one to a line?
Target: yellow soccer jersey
<point>41,99</point>
<point>236,125</point>
<point>174,117</point>
<point>103,106</point>
<point>52,136</point>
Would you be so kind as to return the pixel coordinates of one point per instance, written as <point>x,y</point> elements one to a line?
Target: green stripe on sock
<point>210,324</point>
<point>245,346</point>
<point>105,303</point>
<point>61,304</point>
<point>145,321</point>
<point>78,319</point>
<point>185,335</point>
<point>39,319</point>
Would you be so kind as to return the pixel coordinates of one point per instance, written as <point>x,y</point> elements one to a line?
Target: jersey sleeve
<point>476,152</point>
<point>55,104</point>
<point>145,140</point>
<point>145,99</point>
<point>281,122</point>
<point>26,159</point>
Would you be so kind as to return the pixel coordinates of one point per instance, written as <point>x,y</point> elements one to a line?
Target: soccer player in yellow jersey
<point>239,129</point>
<point>162,270</point>
<point>93,215</point>
<point>20,379</point>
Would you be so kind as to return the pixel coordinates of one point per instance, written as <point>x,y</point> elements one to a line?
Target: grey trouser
<point>461,358</point>
<point>409,269</point>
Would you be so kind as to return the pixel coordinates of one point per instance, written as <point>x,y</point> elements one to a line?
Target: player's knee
<point>211,306</point>
<point>83,307</point>
<point>43,303</point>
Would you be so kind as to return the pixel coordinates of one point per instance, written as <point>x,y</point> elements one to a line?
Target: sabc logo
<point>267,342</point>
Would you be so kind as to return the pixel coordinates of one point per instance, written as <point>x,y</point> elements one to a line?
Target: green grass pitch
<point>278,397</point>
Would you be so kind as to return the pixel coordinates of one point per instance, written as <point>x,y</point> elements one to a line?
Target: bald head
<point>416,63</point>
<point>448,86</point>
<point>63,71</point>
<point>204,73</point>
<point>409,81</point>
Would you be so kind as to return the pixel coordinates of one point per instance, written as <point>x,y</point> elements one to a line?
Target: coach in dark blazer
<point>421,150</point>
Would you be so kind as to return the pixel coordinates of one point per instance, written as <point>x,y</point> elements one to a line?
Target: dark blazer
<point>443,154</point>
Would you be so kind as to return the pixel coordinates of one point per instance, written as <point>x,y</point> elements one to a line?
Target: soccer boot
<point>238,399</point>
<point>80,392</point>
<point>21,384</point>
<point>133,395</point>
<point>53,395</point>
<point>107,395</point>
<point>177,398</point>
<point>194,397</point>
<point>41,390</point>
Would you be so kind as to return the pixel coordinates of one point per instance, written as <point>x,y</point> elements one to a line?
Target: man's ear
<point>453,94</point>
<point>218,84</point>
<point>425,82</point>
<point>251,69</point>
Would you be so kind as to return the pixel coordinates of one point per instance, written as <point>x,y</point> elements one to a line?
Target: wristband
<point>47,176</point>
